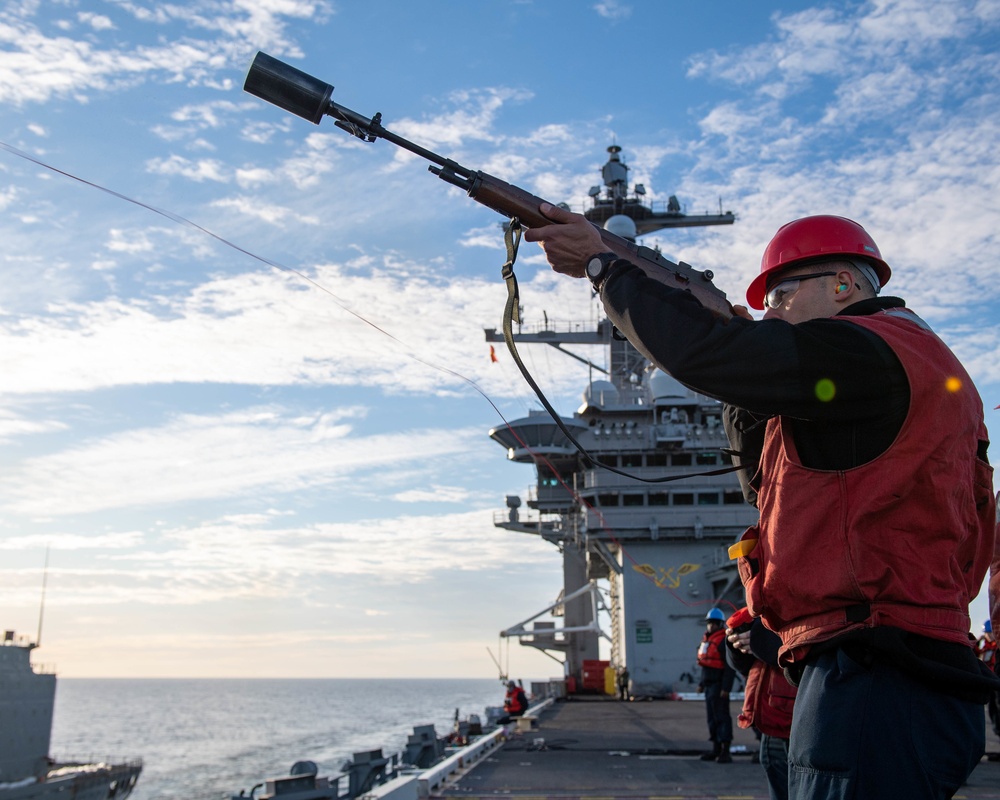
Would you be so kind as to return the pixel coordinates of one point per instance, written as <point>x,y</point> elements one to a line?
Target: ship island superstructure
<point>661,547</point>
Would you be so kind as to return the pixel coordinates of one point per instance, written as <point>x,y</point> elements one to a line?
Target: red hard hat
<point>811,238</point>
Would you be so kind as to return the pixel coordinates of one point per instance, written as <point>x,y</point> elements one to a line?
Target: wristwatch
<point>597,268</point>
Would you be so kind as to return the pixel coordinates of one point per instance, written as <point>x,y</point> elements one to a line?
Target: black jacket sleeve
<point>771,367</point>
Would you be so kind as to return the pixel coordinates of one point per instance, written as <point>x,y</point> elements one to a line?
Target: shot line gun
<point>308,97</point>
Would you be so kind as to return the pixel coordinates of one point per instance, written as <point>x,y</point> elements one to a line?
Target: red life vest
<point>904,540</point>
<point>986,650</point>
<point>710,652</point>
<point>514,701</point>
<point>768,699</point>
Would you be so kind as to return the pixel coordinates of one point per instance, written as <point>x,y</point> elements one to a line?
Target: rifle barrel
<point>305,96</point>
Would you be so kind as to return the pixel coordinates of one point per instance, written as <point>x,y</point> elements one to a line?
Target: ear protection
<point>841,288</point>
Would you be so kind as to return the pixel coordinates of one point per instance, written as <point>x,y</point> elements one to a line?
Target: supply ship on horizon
<point>27,770</point>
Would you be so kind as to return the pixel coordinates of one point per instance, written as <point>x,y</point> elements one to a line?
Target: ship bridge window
<point>659,498</point>
<point>547,476</point>
<point>732,497</point>
<point>607,500</point>
<point>681,459</point>
<point>707,459</point>
<point>608,460</point>
<point>632,500</point>
<point>708,498</point>
<point>632,460</point>
<point>656,459</point>
<point>683,499</point>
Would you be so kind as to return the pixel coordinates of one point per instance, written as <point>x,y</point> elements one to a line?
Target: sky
<point>245,393</point>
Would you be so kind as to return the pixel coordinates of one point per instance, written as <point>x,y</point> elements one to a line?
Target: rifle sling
<point>511,314</point>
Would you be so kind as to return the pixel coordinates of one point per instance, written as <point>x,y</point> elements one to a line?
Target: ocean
<point>210,738</point>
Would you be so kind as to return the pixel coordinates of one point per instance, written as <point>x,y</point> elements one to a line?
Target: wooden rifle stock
<point>308,97</point>
<point>513,201</point>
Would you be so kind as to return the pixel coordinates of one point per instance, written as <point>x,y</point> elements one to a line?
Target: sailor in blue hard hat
<point>986,646</point>
<point>717,676</point>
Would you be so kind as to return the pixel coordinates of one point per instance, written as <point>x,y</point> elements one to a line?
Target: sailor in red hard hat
<point>818,240</point>
<point>866,452</point>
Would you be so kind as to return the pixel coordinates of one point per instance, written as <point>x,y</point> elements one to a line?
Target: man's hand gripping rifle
<point>309,98</point>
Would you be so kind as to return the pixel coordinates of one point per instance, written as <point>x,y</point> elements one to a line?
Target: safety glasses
<point>776,294</point>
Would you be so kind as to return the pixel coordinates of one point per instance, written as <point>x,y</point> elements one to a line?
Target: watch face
<point>594,267</point>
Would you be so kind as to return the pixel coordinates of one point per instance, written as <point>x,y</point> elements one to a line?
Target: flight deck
<point>604,749</point>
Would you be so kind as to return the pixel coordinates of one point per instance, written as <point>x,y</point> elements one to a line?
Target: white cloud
<point>263,329</point>
<point>436,494</point>
<point>472,119</point>
<point>98,22</point>
<point>132,242</point>
<point>35,67</point>
<point>254,176</point>
<point>549,135</point>
<point>843,114</point>
<point>262,210</point>
<point>59,542</point>
<point>263,132</point>
<point>613,9</point>
<point>13,425</point>
<point>251,560</point>
<point>205,456</point>
<point>201,170</point>
<point>908,25</point>
<point>208,115</point>
<point>391,549</point>
<point>846,44</point>
<point>483,237</point>
<point>7,196</point>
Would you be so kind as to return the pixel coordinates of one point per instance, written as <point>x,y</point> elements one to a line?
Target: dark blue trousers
<point>860,733</point>
<point>720,721</point>
<point>774,760</point>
